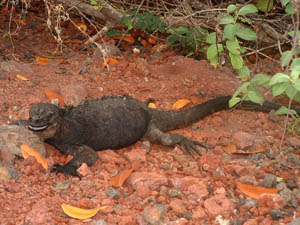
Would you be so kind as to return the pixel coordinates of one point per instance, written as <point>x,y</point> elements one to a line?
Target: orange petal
<point>53,95</point>
<point>82,27</point>
<point>79,213</point>
<point>20,77</point>
<point>152,105</point>
<point>42,60</point>
<point>118,181</point>
<point>144,43</point>
<point>30,151</point>
<point>250,153</point>
<point>180,103</point>
<point>255,191</point>
<point>152,41</point>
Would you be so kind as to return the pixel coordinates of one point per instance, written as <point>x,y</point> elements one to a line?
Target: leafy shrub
<point>189,40</point>
<point>287,83</point>
<point>231,32</point>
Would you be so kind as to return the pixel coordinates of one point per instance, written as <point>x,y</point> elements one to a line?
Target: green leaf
<point>284,110</point>
<point>212,51</point>
<point>113,33</point>
<point>230,31</point>
<point>171,30</point>
<point>247,9</point>
<point>289,9</point>
<point>291,91</point>
<point>244,73</point>
<point>246,34</point>
<point>231,8</point>
<point>233,101</point>
<point>182,30</point>
<point>233,47</point>
<point>190,53</point>
<point>279,88</point>
<point>297,85</point>
<point>279,78</point>
<point>260,79</point>
<point>242,89</point>
<point>227,20</point>
<point>214,61</point>
<point>236,61</point>
<point>256,97</point>
<point>242,50</point>
<point>295,63</point>
<point>211,38</point>
<point>285,2</point>
<point>291,33</point>
<point>265,5</point>
<point>295,74</point>
<point>170,40</point>
<point>285,58</point>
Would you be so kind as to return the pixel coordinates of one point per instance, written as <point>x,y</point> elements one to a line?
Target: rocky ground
<point>168,186</point>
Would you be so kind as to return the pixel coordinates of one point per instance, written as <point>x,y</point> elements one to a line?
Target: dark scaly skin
<point>116,122</point>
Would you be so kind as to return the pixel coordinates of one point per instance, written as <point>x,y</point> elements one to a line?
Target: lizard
<point>114,122</point>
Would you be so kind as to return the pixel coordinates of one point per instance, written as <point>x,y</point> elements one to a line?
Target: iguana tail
<point>174,119</point>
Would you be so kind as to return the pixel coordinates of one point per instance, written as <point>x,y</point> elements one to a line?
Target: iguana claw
<point>65,169</point>
<point>191,146</point>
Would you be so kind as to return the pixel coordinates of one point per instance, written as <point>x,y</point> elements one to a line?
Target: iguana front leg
<point>82,154</point>
<point>156,136</point>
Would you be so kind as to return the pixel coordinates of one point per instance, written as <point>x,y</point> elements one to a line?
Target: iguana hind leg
<point>83,154</point>
<point>156,136</point>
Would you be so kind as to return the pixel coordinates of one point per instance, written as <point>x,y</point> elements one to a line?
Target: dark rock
<point>13,173</point>
<point>113,193</point>
<point>289,197</point>
<point>237,221</point>
<point>293,159</point>
<point>281,185</point>
<point>15,67</point>
<point>251,203</point>
<point>106,50</point>
<point>269,181</point>
<point>61,185</point>
<point>292,186</point>
<point>276,214</point>
<point>3,75</point>
<point>166,166</point>
<point>241,201</point>
<point>12,136</point>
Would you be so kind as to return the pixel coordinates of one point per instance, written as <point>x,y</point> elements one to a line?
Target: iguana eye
<point>49,114</point>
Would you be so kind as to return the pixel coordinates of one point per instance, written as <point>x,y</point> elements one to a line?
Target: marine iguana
<point>119,121</point>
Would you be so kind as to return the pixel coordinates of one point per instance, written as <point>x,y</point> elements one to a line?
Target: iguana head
<point>44,118</point>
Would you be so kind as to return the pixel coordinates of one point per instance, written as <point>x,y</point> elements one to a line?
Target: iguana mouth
<point>37,128</point>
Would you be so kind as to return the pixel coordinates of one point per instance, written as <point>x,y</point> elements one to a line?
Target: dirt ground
<point>168,186</point>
